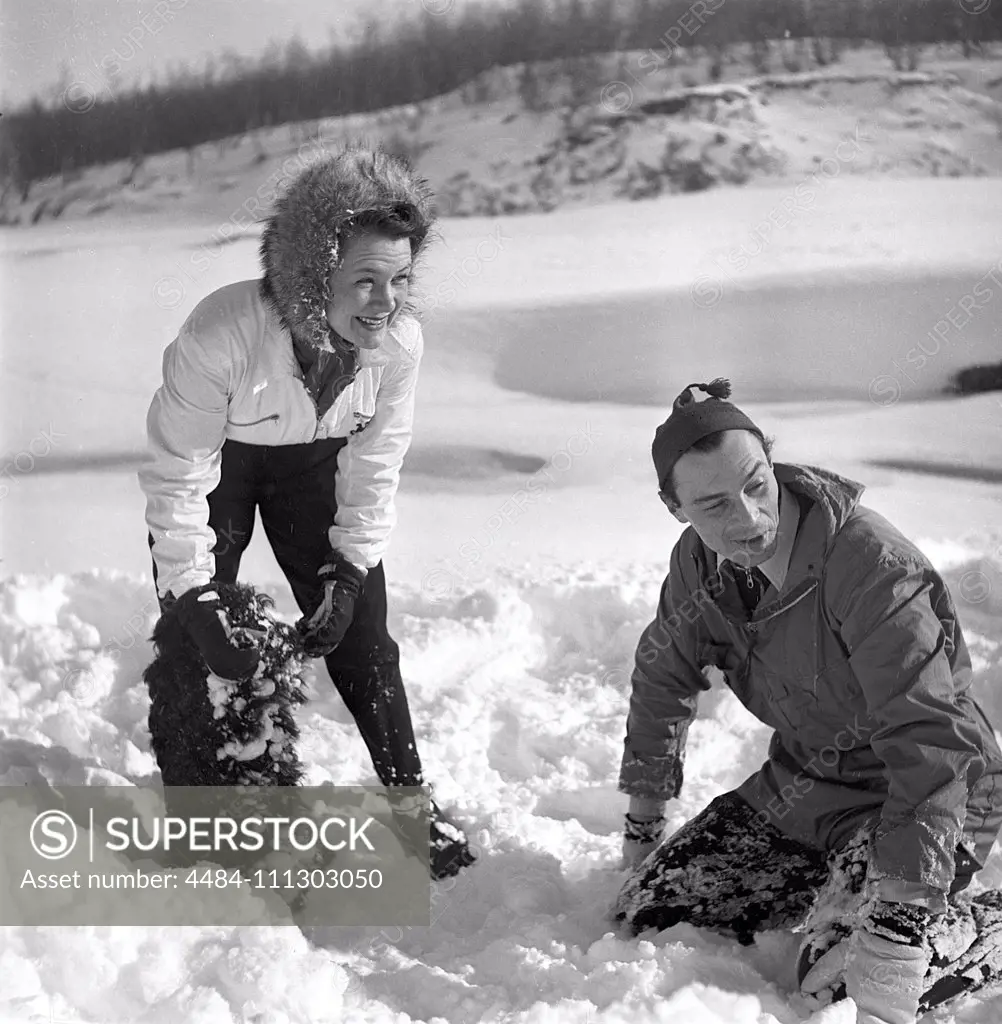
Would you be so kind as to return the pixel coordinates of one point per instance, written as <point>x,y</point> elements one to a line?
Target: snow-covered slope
<point>645,122</point>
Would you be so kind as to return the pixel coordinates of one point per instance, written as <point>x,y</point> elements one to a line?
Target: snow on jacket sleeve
<point>902,657</point>
<point>666,683</point>
<point>369,464</point>
<point>185,428</point>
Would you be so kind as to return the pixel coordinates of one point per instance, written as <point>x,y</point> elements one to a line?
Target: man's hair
<point>709,443</point>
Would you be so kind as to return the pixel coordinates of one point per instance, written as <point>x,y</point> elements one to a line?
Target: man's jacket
<point>232,373</point>
<point>860,667</point>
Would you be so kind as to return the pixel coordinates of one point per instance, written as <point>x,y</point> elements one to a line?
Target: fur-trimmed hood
<point>302,239</point>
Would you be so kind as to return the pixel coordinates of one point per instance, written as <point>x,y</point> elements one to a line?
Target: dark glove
<point>325,628</point>
<point>448,847</point>
<point>203,617</point>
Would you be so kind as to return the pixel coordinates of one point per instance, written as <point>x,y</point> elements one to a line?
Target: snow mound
<point>643,140</point>
<point>519,693</point>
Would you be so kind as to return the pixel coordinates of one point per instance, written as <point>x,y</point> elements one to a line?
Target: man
<point>882,792</point>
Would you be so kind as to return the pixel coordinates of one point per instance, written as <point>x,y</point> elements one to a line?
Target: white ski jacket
<point>232,373</point>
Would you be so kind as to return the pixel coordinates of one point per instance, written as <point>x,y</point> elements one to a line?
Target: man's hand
<point>642,829</point>
<point>640,838</point>
<point>886,979</point>
<point>203,617</point>
<point>826,979</point>
<point>326,627</point>
<point>883,964</point>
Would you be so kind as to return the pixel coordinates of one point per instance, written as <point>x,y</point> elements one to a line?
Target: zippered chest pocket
<point>771,663</point>
<point>272,412</point>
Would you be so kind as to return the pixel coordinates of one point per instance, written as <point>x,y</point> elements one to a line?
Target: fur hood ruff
<point>302,241</point>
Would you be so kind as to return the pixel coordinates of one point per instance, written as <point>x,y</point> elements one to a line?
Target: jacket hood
<point>834,496</point>
<point>303,238</point>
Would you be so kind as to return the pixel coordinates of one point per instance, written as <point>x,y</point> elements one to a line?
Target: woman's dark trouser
<point>293,487</point>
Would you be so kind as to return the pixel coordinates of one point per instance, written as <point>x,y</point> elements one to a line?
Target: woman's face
<point>369,288</point>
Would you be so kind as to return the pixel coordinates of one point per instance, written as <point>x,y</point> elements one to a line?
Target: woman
<point>293,396</point>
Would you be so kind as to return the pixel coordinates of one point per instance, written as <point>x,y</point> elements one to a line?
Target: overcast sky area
<point>146,37</point>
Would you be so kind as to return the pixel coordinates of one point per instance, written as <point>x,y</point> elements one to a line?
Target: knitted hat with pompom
<point>691,420</point>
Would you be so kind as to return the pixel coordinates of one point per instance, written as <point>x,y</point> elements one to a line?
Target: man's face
<point>731,498</point>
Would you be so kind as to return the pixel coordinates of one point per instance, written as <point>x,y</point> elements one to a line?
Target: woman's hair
<point>351,192</point>
<point>402,221</point>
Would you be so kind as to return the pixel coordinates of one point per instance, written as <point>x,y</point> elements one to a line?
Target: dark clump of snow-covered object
<point>209,731</point>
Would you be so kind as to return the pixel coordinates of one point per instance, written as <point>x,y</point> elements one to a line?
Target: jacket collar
<point>831,499</point>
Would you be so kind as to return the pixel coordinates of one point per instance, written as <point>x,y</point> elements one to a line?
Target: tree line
<point>97,121</point>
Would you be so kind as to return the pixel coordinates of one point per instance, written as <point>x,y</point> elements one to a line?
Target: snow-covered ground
<point>555,345</point>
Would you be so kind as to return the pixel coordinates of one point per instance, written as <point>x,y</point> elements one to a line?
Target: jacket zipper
<point>274,415</point>
<point>316,408</point>
<point>313,401</point>
<point>790,602</point>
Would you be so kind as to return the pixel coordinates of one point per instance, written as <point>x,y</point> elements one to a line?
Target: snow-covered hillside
<point>646,123</point>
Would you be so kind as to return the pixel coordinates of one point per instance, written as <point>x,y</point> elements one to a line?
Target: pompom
<point>719,387</point>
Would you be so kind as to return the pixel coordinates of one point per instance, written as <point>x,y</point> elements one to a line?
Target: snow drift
<point>519,693</point>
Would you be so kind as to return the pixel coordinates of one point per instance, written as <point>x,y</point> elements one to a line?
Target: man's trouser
<point>730,871</point>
